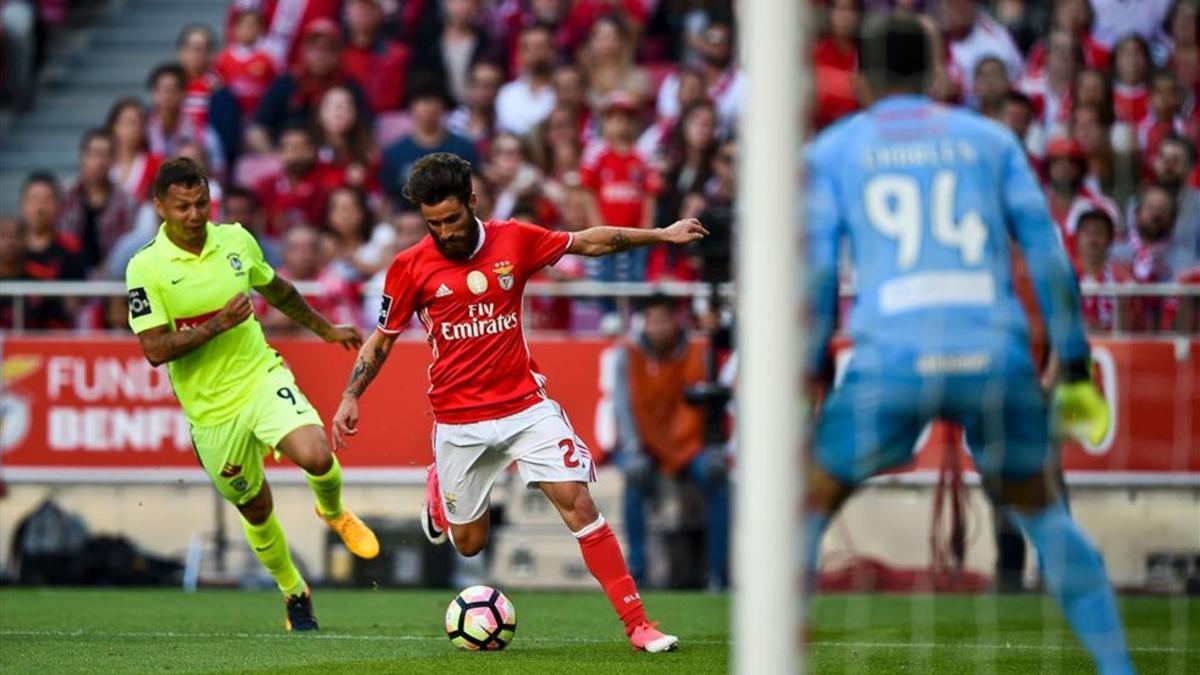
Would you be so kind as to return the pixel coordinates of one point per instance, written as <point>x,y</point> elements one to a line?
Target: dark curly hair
<point>438,177</point>
<point>179,171</point>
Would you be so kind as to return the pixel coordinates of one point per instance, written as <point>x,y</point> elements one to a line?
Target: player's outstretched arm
<point>598,241</point>
<point>283,296</point>
<point>370,359</point>
<point>160,344</point>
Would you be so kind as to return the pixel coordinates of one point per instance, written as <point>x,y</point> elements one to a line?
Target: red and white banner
<point>92,409</point>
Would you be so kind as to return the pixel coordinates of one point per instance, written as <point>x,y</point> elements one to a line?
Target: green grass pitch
<point>125,631</point>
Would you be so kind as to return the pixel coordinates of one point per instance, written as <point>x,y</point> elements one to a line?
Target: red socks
<point>602,555</point>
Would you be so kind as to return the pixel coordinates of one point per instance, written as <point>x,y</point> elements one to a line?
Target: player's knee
<point>319,462</point>
<point>258,509</point>
<point>471,544</point>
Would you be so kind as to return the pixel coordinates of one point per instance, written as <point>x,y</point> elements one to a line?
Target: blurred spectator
<point>50,254</point>
<point>835,61</point>
<point>512,16</point>
<point>1076,18</point>
<point>1069,198</point>
<point>721,189</point>
<point>690,91</point>
<point>689,158</point>
<point>1147,248</point>
<point>374,59</point>
<point>1094,235</point>
<point>723,81</point>
<point>1131,75</point>
<point>335,299</point>
<point>1094,88</point>
<point>296,194</point>
<point>659,432</point>
<point>109,314</point>
<point>449,53</point>
<point>623,185</point>
<point>1017,114</point>
<point>1147,252</point>
<point>1050,90</point>
<point>475,118</point>
<point>168,123</point>
<point>95,211</point>
<point>970,35</point>
<point>134,166</point>
<point>558,154</point>
<point>1164,118</point>
<point>1117,18</point>
<point>607,62</point>
<point>244,65</point>
<point>243,207</point>
<point>284,21</point>
<point>293,97</point>
<point>344,139</point>
<point>510,175</point>
<point>1108,172</point>
<point>427,108</point>
<point>195,47</point>
<point>991,87</point>
<point>1175,161</point>
<point>557,312</point>
<point>408,228</point>
<point>354,244</point>
<point>12,264</point>
<point>527,100</point>
<point>571,93</point>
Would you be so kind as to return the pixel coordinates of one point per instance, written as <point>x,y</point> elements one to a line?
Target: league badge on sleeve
<point>385,308</point>
<point>139,302</point>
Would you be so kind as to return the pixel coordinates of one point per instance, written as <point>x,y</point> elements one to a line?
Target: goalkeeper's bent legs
<point>1073,570</point>
<point>266,539</point>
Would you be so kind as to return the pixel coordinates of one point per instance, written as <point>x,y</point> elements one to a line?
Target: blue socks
<point>814,527</point>
<point>1075,577</point>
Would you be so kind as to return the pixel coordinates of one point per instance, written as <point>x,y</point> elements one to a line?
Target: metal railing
<point>623,292</point>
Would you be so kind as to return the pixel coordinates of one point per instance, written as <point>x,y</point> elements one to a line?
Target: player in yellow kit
<point>189,305</point>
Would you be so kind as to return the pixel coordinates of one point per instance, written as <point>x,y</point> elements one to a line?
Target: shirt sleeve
<point>825,229</point>
<point>543,246</point>
<point>260,272</point>
<point>146,307</point>
<point>399,299</point>
<point>1053,279</point>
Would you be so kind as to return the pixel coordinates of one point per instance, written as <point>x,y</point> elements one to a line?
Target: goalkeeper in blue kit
<point>930,198</point>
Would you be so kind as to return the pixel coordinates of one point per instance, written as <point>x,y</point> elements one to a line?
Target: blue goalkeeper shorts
<point>870,423</point>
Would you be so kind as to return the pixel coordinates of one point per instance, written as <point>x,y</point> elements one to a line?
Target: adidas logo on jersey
<point>443,291</point>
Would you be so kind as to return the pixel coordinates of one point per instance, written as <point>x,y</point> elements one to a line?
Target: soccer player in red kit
<point>465,282</point>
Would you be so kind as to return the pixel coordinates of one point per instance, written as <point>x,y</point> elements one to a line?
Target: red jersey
<point>195,100</point>
<point>1131,104</point>
<point>833,70</point>
<point>621,182</point>
<point>290,203</point>
<point>248,72</point>
<point>471,309</point>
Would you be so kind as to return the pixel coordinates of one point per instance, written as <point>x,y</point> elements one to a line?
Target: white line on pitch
<point>437,638</point>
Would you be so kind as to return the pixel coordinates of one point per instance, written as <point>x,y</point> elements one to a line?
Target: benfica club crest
<point>504,277</point>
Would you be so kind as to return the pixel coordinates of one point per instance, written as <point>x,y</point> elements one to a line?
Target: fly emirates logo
<point>484,321</point>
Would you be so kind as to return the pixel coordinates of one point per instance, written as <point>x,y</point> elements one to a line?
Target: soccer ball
<point>481,619</point>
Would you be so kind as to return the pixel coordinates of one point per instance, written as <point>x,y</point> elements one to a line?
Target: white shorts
<point>470,457</point>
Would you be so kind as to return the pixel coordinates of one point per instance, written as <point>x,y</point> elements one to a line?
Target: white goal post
<point>768,588</point>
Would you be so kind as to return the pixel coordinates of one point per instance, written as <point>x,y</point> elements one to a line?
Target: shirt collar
<point>176,253</point>
<point>482,238</point>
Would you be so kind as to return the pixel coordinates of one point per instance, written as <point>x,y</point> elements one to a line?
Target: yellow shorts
<point>232,452</point>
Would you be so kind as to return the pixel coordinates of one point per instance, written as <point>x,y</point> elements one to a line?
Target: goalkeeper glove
<point>1081,411</point>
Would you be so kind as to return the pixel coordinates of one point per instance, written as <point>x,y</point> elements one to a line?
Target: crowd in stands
<point>309,115</point>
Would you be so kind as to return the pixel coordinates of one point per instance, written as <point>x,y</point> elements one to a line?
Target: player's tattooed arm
<point>283,296</point>
<point>160,344</point>
<point>370,359</point>
<point>599,241</point>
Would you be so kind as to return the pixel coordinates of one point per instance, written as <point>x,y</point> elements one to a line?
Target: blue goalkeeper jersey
<point>929,199</point>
